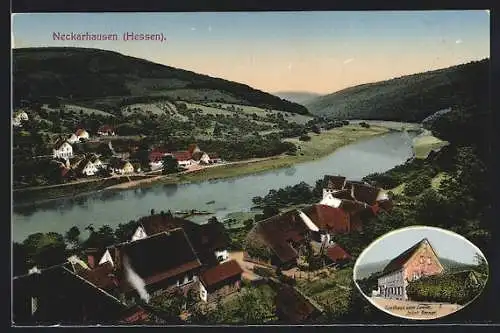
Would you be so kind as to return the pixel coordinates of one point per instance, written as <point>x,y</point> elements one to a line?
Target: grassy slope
<point>425,144</point>
<point>94,77</point>
<point>319,146</point>
<point>408,98</point>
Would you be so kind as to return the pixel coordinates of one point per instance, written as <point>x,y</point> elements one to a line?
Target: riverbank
<point>319,146</point>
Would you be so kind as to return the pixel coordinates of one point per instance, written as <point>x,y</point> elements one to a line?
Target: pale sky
<point>446,244</point>
<point>318,52</point>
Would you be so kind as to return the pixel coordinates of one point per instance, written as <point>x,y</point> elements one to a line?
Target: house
<point>293,307</point>
<point>184,158</point>
<point>19,117</point>
<point>106,130</point>
<point>417,261</point>
<point>57,295</point>
<point>276,240</point>
<point>121,167</point>
<point>279,240</point>
<point>209,240</point>
<point>96,161</point>
<point>164,262</point>
<point>220,280</point>
<point>62,149</point>
<point>86,168</point>
<point>82,134</point>
<point>200,157</point>
<point>156,158</point>
<point>214,158</point>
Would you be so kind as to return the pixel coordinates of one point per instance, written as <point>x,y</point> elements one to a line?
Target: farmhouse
<point>281,239</point>
<point>214,158</point>
<point>156,158</point>
<point>160,273</point>
<point>73,138</point>
<point>419,260</point>
<point>62,149</point>
<point>209,240</point>
<point>86,168</point>
<point>220,280</point>
<point>82,134</point>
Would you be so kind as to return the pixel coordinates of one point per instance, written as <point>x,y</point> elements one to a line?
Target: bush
<point>417,185</point>
<point>449,288</point>
<point>264,272</point>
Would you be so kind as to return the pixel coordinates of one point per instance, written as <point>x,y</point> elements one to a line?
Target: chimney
<point>91,260</point>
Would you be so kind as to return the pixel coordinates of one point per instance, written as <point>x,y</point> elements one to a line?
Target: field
<point>78,108</point>
<point>319,146</point>
<point>423,145</point>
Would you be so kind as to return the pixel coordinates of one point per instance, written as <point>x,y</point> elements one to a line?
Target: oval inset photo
<point>421,272</point>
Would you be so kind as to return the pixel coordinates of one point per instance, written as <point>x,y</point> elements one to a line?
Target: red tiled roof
<point>336,253</point>
<point>279,230</point>
<point>156,156</point>
<point>182,155</point>
<point>101,276</point>
<point>400,260</point>
<point>328,218</point>
<point>221,272</point>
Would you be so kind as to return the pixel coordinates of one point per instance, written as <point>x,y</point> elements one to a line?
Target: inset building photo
<point>433,273</point>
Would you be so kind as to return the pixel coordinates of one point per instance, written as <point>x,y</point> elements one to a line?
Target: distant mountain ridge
<point>96,78</point>
<point>296,96</point>
<point>409,98</point>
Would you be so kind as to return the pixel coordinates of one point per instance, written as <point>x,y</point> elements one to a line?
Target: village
<point>121,283</point>
<point>71,163</point>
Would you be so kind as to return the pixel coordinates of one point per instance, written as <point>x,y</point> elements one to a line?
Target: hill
<point>300,97</point>
<point>408,98</point>
<point>107,80</point>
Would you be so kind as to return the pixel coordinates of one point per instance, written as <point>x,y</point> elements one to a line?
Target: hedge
<point>449,288</point>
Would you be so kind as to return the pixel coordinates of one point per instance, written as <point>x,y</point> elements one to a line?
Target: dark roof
<point>343,194</point>
<point>366,193</point>
<point>105,128</point>
<point>59,142</point>
<point>292,306</point>
<point>172,253</point>
<point>399,261</point>
<point>64,297</point>
<point>336,253</point>
<point>279,230</point>
<point>335,182</point>
<point>204,238</point>
<point>328,218</point>
<point>221,272</point>
<point>213,155</point>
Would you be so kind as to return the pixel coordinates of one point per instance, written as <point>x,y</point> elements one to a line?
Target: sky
<point>446,244</point>
<point>319,52</point>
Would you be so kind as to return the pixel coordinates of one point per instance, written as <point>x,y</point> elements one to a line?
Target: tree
<point>481,264</point>
<point>45,249</point>
<point>124,231</point>
<point>305,137</point>
<point>73,236</point>
<point>103,237</point>
<point>253,307</point>
<point>269,211</point>
<point>170,165</point>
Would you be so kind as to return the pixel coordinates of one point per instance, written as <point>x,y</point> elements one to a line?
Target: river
<point>113,207</point>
